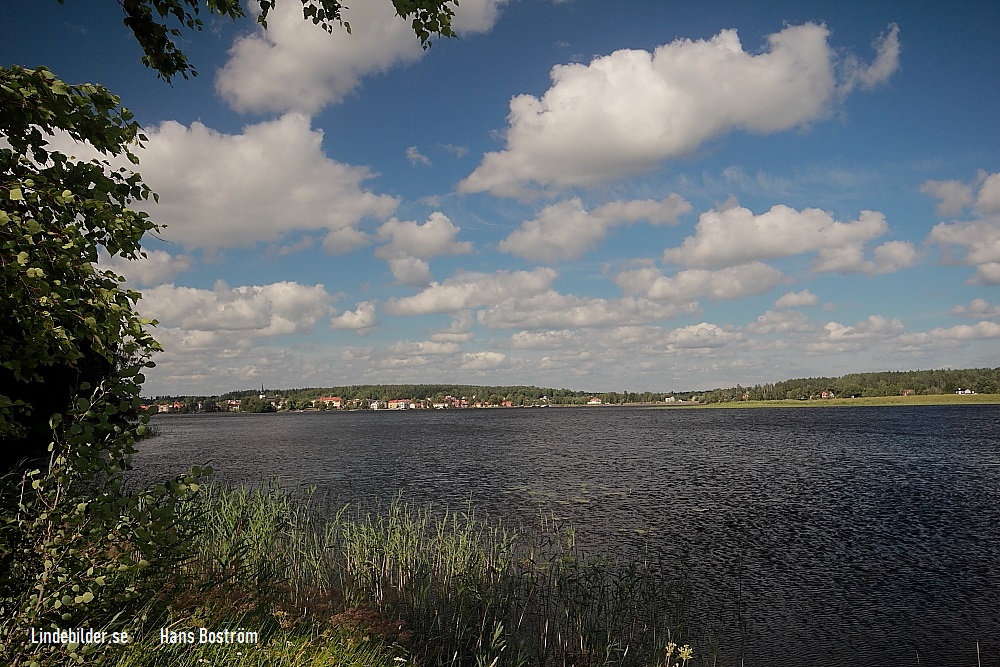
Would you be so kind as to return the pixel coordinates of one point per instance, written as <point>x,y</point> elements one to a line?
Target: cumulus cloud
<point>410,270</point>
<point>544,340</point>
<point>552,310</point>
<point>954,196</point>
<point>699,336</point>
<point>436,236</point>
<point>627,112</point>
<point>838,338</point>
<point>297,66</point>
<point>422,347</point>
<point>977,308</point>
<point>253,310</point>
<point>736,236</point>
<point>988,199</point>
<point>566,230</point>
<point>158,266</point>
<point>796,299</point>
<point>471,289</point>
<point>230,190</point>
<point>977,240</point>
<point>982,195</point>
<point>458,331</point>
<point>409,244</point>
<point>483,361</point>
<point>956,335</point>
<point>979,243</point>
<point>730,283</point>
<point>781,321</point>
<point>890,257</point>
<point>362,319</point>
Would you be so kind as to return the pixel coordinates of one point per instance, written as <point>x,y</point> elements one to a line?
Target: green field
<point>939,399</point>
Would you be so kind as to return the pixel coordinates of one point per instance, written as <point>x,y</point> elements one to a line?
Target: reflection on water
<point>817,537</point>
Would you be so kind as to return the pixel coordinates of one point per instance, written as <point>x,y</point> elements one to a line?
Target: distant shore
<point>937,399</point>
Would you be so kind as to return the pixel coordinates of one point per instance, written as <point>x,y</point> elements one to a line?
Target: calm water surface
<point>814,537</point>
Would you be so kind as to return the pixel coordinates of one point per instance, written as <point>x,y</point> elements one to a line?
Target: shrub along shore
<point>397,585</point>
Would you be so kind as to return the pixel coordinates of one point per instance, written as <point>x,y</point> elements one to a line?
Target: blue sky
<point>603,196</point>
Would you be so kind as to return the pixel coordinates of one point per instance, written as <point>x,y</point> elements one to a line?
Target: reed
<point>437,586</point>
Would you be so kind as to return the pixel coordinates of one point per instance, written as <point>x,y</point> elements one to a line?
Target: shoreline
<point>866,401</point>
<point>883,401</point>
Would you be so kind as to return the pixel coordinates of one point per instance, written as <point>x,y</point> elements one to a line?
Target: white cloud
<point>424,347</point>
<point>552,310</point>
<point>955,335</point>
<point>890,257</point>
<point>254,310</point>
<point>304,243</point>
<point>234,190</point>
<point>988,199</point>
<point>424,241</point>
<point>362,319</point>
<point>627,112</point>
<point>157,267</point>
<point>839,338</point>
<point>986,274</point>
<point>954,196</point>
<point>699,336</point>
<point>410,270</point>
<point>469,290</point>
<point>977,308</point>
<point>456,150</point>
<point>458,331</point>
<point>346,239</point>
<point>416,157</point>
<point>737,236</point>
<point>980,241</point>
<point>886,63</point>
<point>544,340</point>
<point>796,299</point>
<point>781,321</point>
<point>566,230</point>
<point>295,65</point>
<point>483,361</point>
<point>730,283</point>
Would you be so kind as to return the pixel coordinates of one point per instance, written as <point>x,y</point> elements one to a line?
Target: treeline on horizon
<point>886,383</point>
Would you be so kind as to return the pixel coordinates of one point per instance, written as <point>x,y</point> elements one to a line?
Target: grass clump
<point>394,584</point>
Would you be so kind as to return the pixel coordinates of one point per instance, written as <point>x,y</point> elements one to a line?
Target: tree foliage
<point>885,383</point>
<point>69,330</point>
<point>75,548</point>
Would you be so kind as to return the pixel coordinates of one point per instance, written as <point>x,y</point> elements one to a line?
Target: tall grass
<point>448,587</point>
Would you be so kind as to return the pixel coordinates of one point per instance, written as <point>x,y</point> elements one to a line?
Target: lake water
<point>815,537</point>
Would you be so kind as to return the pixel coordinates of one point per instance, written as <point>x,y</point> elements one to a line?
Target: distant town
<point>458,397</point>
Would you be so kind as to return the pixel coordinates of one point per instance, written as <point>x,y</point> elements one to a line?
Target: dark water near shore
<point>813,537</point>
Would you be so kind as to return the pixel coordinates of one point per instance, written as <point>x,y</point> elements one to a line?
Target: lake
<point>812,537</point>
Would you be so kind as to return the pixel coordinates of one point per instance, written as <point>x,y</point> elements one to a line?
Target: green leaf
<point>15,194</point>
